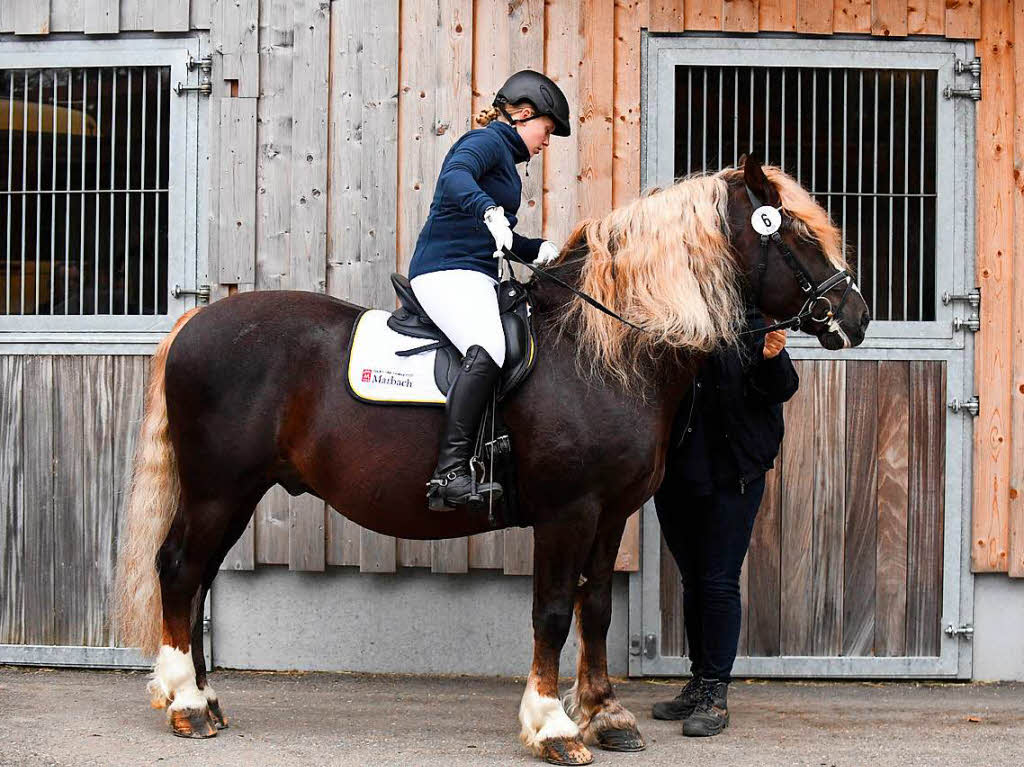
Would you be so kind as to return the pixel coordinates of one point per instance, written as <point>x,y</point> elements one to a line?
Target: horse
<point>250,391</point>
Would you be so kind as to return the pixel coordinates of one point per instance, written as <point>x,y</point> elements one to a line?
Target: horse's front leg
<point>592,702</point>
<point>559,552</point>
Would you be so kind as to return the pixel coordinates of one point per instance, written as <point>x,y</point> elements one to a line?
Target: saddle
<point>410,319</point>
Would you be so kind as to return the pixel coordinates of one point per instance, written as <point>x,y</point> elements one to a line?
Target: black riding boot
<point>711,714</point>
<point>452,483</point>
<point>682,705</point>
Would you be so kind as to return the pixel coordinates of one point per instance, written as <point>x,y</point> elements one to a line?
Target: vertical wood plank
<point>861,507</point>
<point>889,18</point>
<point>242,556</point>
<point>993,345</point>
<point>38,577</point>
<point>927,485</point>
<point>32,17</point>
<point>813,18</point>
<point>130,376</point>
<point>703,14</point>
<point>852,16</point>
<point>342,539</point>
<point>376,552</point>
<point>273,524</point>
<point>137,15</point>
<point>518,551</point>
<point>829,502</point>
<point>927,17</point>
<point>964,20</point>
<point>97,495</point>
<point>667,15</point>
<point>199,14</point>
<point>764,569</point>
<point>740,16</point>
<point>798,469</point>
<point>630,17</point>
<point>777,15</point>
<point>1016,504</point>
<point>893,483</point>
<point>237,191</point>
<point>627,559</point>
<point>596,75</point>
<point>363,163</point>
<point>670,593</point>
<point>13,522</point>
<point>101,17</point>
<point>307,261</point>
<point>235,33</point>
<point>742,646</point>
<point>563,56</point>
<point>171,16</point>
<point>306,536</point>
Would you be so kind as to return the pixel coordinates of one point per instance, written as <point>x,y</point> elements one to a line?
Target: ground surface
<point>70,717</point>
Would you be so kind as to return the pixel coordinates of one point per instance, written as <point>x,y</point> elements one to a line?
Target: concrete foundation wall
<point>409,622</point>
<point>998,643</point>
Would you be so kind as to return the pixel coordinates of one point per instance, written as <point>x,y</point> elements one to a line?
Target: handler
<point>724,441</point>
<point>453,273</point>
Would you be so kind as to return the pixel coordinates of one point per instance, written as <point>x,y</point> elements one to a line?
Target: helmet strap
<point>513,121</point>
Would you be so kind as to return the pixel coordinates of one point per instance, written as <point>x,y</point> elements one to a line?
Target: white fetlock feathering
<point>542,719</point>
<point>174,681</point>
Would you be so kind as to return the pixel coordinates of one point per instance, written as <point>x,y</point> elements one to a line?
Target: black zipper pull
<point>528,166</point>
<point>743,486</point>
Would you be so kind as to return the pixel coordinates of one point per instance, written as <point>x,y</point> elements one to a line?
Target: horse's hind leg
<point>560,549</point>
<point>600,716</point>
<point>199,537</point>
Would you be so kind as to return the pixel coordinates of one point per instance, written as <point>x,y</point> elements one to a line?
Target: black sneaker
<point>711,714</point>
<point>680,706</point>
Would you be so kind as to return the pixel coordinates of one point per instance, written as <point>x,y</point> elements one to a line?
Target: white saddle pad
<point>377,374</point>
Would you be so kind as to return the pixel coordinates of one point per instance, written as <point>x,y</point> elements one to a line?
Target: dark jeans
<point>708,536</point>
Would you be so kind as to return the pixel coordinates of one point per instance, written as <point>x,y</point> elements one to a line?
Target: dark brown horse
<point>250,391</point>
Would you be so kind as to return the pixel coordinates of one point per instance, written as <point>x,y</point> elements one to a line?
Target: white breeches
<point>464,305</point>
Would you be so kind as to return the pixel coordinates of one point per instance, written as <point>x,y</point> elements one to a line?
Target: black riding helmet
<point>544,96</point>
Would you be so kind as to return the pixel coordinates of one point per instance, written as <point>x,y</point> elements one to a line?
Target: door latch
<point>965,630</point>
<point>970,405</point>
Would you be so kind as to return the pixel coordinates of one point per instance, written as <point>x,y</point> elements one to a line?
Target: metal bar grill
<point>870,163</point>
<point>86,173</point>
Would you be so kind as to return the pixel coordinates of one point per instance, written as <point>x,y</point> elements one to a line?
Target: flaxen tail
<point>151,504</point>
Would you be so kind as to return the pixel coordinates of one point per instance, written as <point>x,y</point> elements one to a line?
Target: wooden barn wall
<point>68,427</point>
<point>387,86</point>
<point>846,555</point>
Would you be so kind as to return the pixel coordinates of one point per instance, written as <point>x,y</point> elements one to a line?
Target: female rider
<point>454,268</point>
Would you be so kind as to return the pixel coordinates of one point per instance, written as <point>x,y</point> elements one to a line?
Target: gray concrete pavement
<point>72,717</point>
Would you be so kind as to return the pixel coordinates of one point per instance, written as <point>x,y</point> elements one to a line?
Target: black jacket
<point>729,430</point>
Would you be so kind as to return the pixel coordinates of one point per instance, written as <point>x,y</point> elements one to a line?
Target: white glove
<point>495,220</point>
<point>548,252</point>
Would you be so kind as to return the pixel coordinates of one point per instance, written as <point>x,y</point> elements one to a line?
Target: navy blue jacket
<point>728,432</point>
<point>479,171</point>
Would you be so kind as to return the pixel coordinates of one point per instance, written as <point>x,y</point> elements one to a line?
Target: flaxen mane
<point>664,263</point>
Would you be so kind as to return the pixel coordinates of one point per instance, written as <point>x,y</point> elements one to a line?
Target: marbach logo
<point>367,375</point>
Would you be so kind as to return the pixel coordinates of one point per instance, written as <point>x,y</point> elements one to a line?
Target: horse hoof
<point>566,751</point>
<point>192,723</point>
<point>621,740</point>
<point>217,715</point>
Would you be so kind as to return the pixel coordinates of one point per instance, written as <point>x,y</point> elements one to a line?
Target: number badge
<point>766,220</point>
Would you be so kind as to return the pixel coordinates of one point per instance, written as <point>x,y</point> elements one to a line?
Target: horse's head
<point>792,255</point>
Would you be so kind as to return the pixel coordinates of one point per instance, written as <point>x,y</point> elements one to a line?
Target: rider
<point>454,269</point>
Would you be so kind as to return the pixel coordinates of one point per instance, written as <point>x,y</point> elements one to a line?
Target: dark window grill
<point>863,141</point>
<point>84,191</point>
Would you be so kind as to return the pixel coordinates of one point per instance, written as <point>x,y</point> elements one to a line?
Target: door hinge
<point>202,293</point>
<point>970,405</point>
<point>961,67</point>
<point>204,65</point>
<point>965,630</point>
<point>650,646</point>
<point>635,645</point>
<point>973,298</point>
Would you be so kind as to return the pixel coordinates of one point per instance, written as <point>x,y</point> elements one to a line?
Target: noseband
<point>814,296</point>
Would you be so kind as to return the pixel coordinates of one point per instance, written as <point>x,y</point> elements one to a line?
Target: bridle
<point>817,305</point>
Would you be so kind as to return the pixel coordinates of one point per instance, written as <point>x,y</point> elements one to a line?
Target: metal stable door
<point>859,560</point>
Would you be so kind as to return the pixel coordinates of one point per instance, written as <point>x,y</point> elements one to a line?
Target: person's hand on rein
<point>497,224</point>
<point>774,342</point>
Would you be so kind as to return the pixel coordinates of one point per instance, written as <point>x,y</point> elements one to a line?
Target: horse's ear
<point>753,175</point>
